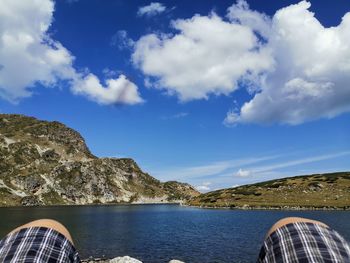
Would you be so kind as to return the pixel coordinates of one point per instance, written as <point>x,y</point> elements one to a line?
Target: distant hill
<point>317,191</point>
<point>48,163</point>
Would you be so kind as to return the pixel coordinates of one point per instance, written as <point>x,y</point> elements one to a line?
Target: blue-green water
<point>158,233</point>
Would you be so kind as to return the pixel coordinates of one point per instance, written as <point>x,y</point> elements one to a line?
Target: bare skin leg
<point>49,223</point>
<point>288,220</point>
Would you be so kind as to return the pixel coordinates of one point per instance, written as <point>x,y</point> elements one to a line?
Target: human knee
<point>288,220</point>
<point>48,223</point>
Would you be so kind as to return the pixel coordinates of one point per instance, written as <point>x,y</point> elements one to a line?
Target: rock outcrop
<point>125,259</point>
<point>47,163</point>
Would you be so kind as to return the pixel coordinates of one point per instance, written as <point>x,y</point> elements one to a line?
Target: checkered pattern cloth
<point>305,242</point>
<point>39,245</point>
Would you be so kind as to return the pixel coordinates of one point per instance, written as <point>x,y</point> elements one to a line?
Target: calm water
<point>158,233</point>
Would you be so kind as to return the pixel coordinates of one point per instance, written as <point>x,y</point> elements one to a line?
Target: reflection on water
<point>158,233</point>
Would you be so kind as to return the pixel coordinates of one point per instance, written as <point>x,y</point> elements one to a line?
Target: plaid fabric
<point>37,244</point>
<point>305,242</point>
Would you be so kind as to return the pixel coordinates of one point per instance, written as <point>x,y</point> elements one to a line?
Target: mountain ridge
<point>316,191</point>
<point>48,163</point>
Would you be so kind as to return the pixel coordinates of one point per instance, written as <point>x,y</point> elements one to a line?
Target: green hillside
<point>317,191</point>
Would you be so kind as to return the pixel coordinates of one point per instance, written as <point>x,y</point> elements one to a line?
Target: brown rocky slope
<point>47,163</point>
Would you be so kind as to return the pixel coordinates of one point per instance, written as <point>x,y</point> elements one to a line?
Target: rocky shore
<point>287,208</point>
<point>125,259</point>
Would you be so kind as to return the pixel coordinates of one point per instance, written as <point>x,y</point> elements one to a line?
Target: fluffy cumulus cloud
<point>119,90</point>
<point>29,56</point>
<point>152,9</point>
<point>207,56</point>
<point>312,70</point>
<point>241,14</point>
<point>295,69</point>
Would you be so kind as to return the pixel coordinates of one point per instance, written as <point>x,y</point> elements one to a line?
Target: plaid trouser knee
<point>39,245</point>
<point>305,242</point>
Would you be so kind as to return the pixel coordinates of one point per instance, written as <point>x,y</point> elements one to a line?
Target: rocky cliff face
<point>47,163</point>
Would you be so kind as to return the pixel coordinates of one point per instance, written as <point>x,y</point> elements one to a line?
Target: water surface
<point>158,233</point>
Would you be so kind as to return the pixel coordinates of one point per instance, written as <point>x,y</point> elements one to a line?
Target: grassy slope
<point>313,191</point>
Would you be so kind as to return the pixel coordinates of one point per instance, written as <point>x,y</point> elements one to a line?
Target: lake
<point>158,233</point>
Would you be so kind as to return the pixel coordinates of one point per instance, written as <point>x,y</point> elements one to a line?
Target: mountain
<point>48,163</point>
<point>317,191</point>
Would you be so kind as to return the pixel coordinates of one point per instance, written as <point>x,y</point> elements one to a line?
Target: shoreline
<point>275,208</point>
<point>124,259</point>
<point>93,205</point>
<point>247,207</point>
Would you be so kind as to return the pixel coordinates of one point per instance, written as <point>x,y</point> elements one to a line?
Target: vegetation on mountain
<point>317,191</point>
<point>48,163</point>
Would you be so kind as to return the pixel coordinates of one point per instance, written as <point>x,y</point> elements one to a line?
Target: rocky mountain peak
<point>48,163</point>
<point>22,128</point>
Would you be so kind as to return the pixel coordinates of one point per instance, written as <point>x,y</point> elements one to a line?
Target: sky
<point>212,93</point>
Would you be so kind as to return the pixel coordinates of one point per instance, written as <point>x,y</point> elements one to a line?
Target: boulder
<point>125,259</point>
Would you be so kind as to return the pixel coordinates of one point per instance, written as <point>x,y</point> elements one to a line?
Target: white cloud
<point>204,187</point>
<point>110,73</point>
<point>259,22</point>
<point>29,56</point>
<point>254,172</point>
<point>179,115</point>
<point>251,170</point>
<point>208,170</point>
<point>202,170</point>
<point>311,74</point>
<point>152,9</point>
<point>243,173</point>
<point>282,169</point>
<point>122,40</point>
<point>119,90</point>
<point>272,167</point>
<point>207,56</point>
<point>232,117</point>
<point>296,69</point>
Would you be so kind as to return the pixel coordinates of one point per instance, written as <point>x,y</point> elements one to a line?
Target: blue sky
<point>211,93</point>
